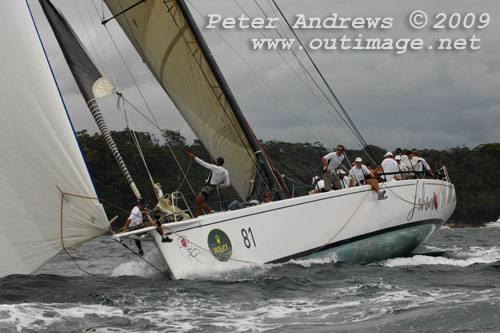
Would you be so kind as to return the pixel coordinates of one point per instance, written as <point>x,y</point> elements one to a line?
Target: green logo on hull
<point>219,245</point>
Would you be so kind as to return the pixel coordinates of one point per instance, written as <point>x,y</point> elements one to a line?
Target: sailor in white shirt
<point>360,175</point>
<point>420,164</point>
<point>389,168</point>
<point>318,184</point>
<point>403,162</point>
<point>219,177</point>
<point>134,222</point>
<point>344,180</point>
<point>403,169</point>
<point>331,162</point>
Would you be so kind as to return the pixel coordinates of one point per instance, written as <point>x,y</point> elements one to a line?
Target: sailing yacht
<point>351,225</point>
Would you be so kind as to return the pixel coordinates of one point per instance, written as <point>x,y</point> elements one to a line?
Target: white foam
<point>186,312</point>
<point>139,267</point>
<point>471,256</point>
<point>36,316</point>
<point>233,271</point>
<point>315,261</point>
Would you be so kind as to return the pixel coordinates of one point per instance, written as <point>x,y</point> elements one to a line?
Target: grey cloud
<point>422,99</point>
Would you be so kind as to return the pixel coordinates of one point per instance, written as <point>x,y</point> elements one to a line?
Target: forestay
<point>41,158</point>
<point>162,36</point>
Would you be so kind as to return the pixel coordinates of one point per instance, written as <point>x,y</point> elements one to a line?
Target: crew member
<point>319,185</point>
<point>344,180</point>
<point>403,169</point>
<point>389,168</point>
<point>360,175</point>
<point>219,177</point>
<point>420,164</point>
<point>331,162</point>
<point>135,222</point>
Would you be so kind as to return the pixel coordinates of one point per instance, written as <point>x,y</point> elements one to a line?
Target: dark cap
<point>398,150</point>
<point>220,161</point>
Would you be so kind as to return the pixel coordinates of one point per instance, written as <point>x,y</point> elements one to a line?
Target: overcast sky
<point>423,98</point>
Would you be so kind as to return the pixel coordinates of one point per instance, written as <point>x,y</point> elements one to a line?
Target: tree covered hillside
<point>474,172</point>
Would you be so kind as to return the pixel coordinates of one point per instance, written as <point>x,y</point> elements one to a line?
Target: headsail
<point>91,83</point>
<point>167,39</point>
<point>41,158</point>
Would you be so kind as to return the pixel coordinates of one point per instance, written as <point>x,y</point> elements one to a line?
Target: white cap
<point>315,178</point>
<point>388,154</point>
<point>340,171</point>
<point>358,159</point>
<point>397,158</point>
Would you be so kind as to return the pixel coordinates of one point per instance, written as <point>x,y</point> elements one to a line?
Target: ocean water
<point>455,288</point>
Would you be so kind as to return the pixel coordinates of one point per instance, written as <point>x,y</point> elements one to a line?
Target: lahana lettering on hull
<point>424,202</point>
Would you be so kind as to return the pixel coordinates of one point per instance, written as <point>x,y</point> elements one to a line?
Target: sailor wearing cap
<point>344,180</point>
<point>389,168</point>
<point>403,169</point>
<point>319,185</point>
<point>360,175</point>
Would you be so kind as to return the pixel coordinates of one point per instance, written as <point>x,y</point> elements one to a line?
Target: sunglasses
<point>340,149</point>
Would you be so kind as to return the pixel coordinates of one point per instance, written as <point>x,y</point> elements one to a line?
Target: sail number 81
<point>246,237</point>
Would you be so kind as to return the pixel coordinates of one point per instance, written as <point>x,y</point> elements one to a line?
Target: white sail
<point>163,38</point>
<point>41,158</point>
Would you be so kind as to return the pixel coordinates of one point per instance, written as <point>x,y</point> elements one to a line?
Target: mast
<point>264,162</point>
<point>90,81</point>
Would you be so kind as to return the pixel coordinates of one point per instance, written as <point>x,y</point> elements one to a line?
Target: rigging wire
<point>88,35</point>
<point>308,74</point>
<point>323,108</point>
<point>115,82</point>
<point>129,71</point>
<point>258,75</point>
<point>137,145</point>
<point>353,127</point>
<point>346,120</point>
<point>212,88</point>
<point>304,69</point>
<point>154,121</point>
<point>306,85</point>
<point>145,260</point>
<point>166,142</point>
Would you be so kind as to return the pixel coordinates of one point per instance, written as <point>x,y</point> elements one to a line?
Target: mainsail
<point>41,158</point>
<point>166,37</point>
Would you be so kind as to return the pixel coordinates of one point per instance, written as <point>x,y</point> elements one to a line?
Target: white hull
<point>495,224</point>
<point>351,224</point>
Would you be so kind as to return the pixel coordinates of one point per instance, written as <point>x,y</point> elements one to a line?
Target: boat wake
<point>151,266</point>
<point>315,261</point>
<point>459,257</point>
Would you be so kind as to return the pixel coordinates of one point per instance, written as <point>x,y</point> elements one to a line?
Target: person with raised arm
<point>218,178</point>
